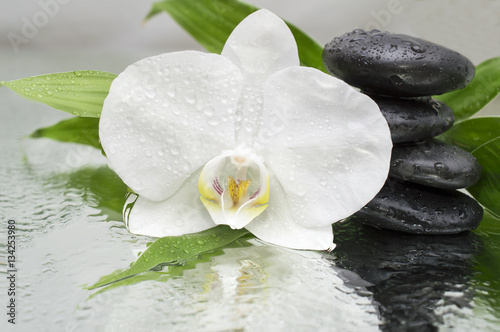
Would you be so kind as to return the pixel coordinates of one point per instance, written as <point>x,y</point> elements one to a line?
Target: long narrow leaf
<point>74,130</point>
<point>487,190</point>
<point>80,93</point>
<point>175,248</point>
<point>211,22</point>
<point>472,133</point>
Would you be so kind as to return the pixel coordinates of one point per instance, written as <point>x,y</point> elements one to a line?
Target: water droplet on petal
<point>209,110</point>
<point>175,150</point>
<point>213,121</point>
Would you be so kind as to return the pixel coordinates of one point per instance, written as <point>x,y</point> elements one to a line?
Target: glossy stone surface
<point>411,208</point>
<point>396,64</point>
<point>434,164</point>
<point>413,120</point>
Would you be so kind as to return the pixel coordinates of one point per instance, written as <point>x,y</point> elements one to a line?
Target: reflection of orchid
<point>279,149</point>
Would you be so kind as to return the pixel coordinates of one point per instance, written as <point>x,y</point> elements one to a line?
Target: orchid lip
<point>234,187</point>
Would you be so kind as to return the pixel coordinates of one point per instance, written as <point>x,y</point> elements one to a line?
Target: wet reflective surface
<point>64,201</point>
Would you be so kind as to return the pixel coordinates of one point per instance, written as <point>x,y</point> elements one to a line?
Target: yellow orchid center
<point>234,187</point>
<point>237,190</point>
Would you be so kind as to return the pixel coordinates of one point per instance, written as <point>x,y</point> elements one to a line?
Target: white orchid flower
<point>247,138</point>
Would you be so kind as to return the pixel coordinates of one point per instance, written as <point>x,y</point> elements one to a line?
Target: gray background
<point>86,31</point>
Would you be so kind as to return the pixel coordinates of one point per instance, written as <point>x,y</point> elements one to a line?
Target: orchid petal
<point>166,116</point>
<point>180,214</point>
<point>328,144</point>
<point>260,45</point>
<point>277,225</point>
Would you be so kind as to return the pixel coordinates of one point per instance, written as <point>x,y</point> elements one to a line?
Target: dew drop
<point>209,111</point>
<point>213,121</point>
<point>175,151</point>
<point>150,93</point>
<point>77,73</point>
<point>396,80</point>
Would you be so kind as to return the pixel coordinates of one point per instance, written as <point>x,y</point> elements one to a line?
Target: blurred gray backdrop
<point>87,30</point>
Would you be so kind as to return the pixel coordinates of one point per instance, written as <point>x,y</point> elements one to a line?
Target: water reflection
<point>248,288</point>
<point>411,276</point>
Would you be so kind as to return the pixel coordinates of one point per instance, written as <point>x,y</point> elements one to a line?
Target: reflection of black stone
<point>410,274</point>
<point>412,208</point>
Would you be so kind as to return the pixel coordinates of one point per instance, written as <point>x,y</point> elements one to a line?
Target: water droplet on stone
<point>396,80</point>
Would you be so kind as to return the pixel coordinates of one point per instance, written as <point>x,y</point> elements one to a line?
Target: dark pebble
<point>413,120</point>
<point>395,64</point>
<point>411,208</point>
<point>434,164</point>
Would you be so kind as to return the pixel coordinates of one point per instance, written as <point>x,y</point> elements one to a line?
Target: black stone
<point>395,64</point>
<point>411,208</point>
<point>413,120</point>
<point>434,164</point>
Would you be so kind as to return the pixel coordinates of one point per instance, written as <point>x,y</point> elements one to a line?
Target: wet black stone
<point>413,120</point>
<point>395,64</point>
<point>411,276</point>
<point>416,209</point>
<point>434,164</point>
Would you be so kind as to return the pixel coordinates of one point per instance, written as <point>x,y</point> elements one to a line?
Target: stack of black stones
<point>400,73</point>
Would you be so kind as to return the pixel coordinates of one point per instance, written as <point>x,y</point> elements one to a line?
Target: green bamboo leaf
<point>172,249</point>
<point>472,133</point>
<point>175,270</point>
<point>211,22</point>
<point>80,93</point>
<point>74,130</point>
<point>483,88</point>
<point>487,190</point>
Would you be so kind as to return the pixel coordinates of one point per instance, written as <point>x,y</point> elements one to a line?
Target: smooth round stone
<point>411,208</point>
<point>413,120</point>
<point>395,64</point>
<point>434,164</point>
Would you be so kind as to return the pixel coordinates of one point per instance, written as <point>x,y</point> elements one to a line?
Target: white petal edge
<point>182,213</point>
<point>167,115</point>
<point>328,144</point>
<point>261,45</point>
<point>277,226</point>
